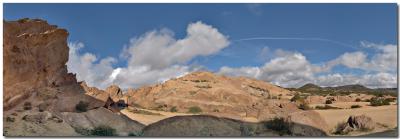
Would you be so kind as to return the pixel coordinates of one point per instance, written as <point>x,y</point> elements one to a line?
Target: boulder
<point>115,92</point>
<point>307,123</point>
<point>100,117</point>
<point>354,123</point>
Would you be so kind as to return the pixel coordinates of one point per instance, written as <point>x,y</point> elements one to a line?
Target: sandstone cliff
<point>36,81</point>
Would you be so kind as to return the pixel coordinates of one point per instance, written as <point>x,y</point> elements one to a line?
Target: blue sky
<point>319,32</point>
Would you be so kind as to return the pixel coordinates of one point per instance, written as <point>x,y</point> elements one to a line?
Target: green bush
<point>355,106</point>
<point>279,125</point>
<point>81,106</point>
<point>136,134</point>
<point>304,106</point>
<point>173,109</point>
<point>103,131</point>
<point>375,101</point>
<point>195,109</point>
<point>326,107</point>
<point>328,101</point>
<point>296,97</point>
<point>246,131</point>
<point>27,106</point>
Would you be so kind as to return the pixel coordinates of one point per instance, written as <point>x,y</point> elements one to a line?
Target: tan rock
<point>307,123</point>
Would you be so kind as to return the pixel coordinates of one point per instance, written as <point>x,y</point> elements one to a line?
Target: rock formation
<point>212,93</point>
<point>356,123</point>
<point>37,85</point>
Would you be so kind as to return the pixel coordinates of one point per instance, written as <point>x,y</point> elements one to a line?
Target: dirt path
<point>386,115</point>
<point>147,119</point>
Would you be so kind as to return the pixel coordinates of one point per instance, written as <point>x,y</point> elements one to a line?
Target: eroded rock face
<point>35,75</point>
<point>34,56</point>
<point>237,96</point>
<point>115,92</point>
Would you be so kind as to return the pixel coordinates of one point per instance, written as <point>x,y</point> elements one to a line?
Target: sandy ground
<point>148,119</point>
<point>386,115</point>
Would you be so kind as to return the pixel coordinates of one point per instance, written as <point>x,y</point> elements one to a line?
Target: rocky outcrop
<point>100,117</point>
<point>356,123</point>
<point>35,54</point>
<point>38,85</point>
<point>237,96</point>
<point>115,92</point>
<point>307,123</point>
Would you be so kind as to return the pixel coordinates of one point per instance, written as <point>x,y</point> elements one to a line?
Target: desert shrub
<point>304,106</point>
<point>205,86</point>
<point>274,97</point>
<point>279,125</point>
<point>81,106</point>
<point>23,20</point>
<point>138,111</point>
<point>27,106</point>
<point>358,100</point>
<point>296,97</point>
<point>136,134</point>
<point>42,107</point>
<point>375,101</point>
<point>195,109</point>
<point>10,119</point>
<point>328,101</point>
<point>173,109</point>
<point>355,106</point>
<point>390,99</point>
<point>246,131</point>
<point>82,131</point>
<point>215,110</point>
<point>103,131</point>
<point>326,107</point>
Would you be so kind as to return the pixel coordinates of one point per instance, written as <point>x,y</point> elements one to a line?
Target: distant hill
<point>310,87</point>
<point>345,89</point>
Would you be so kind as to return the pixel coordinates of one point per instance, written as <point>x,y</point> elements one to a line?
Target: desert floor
<point>383,115</point>
<point>147,119</point>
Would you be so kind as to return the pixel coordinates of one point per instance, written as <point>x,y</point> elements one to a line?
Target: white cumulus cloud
<point>292,69</point>
<point>153,57</point>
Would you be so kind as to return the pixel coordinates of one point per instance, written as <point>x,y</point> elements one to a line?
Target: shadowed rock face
<point>205,125</point>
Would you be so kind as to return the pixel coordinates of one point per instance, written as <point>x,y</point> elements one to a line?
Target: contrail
<point>290,38</point>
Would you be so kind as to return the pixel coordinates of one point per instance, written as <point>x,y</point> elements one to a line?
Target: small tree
<point>103,131</point>
<point>295,97</point>
<point>27,106</point>
<point>195,109</point>
<point>328,101</point>
<point>358,100</point>
<point>173,109</point>
<point>355,106</point>
<point>81,106</point>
